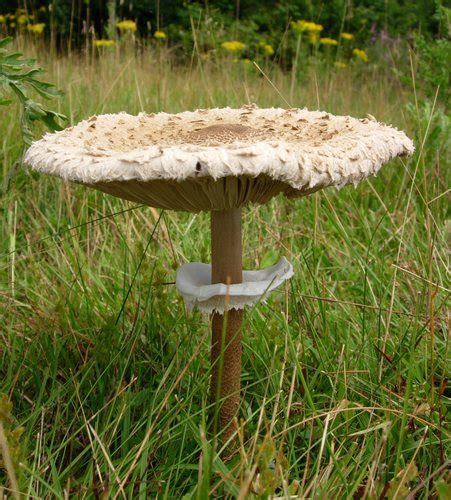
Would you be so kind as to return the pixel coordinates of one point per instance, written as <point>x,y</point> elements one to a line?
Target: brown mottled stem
<point>226,267</point>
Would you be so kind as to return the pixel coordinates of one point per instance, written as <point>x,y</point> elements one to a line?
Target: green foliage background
<point>363,17</point>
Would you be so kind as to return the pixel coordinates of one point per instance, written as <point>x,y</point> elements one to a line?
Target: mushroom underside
<point>202,193</point>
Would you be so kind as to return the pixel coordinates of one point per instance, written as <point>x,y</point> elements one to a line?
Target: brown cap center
<point>225,133</point>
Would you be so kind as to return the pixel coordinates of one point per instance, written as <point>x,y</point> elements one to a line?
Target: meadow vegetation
<point>104,375</point>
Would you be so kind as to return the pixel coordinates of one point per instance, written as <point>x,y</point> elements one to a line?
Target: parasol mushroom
<point>220,160</point>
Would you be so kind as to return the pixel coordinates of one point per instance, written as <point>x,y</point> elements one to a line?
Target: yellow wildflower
<point>36,29</point>
<point>11,17</point>
<point>42,9</point>
<point>309,26</point>
<point>22,19</point>
<point>347,36</point>
<point>316,27</point>
<point>313,37</point>
<point>267,48</point>
<point>12,25</point>
<point>126,25</point>
<point>161,35</point>
<point>2,19</point>
<point>339,64</point>
<point>328,41</point>
<point>104,43</point>
<point>360,54</point>
<point>233,46</point>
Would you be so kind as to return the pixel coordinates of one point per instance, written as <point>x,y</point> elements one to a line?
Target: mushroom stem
<point>226,267</point>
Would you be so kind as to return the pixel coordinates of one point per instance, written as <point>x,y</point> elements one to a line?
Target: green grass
<point>344,370</point>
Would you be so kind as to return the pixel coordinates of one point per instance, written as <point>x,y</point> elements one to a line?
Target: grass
<point>344,370</point>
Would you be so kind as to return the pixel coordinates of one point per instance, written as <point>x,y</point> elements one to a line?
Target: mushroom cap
<point>214,159</point>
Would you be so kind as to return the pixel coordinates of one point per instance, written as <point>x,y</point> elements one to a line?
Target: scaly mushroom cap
<point>217,158</point>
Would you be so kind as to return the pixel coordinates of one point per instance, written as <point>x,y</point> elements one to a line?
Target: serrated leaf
<point>18,76</point>
<point>16,88</point>
<point>29,75</point>
<point>14,60</point>
<point>34,110</point>
<point>50,120</point>
<point>4,41</point>
<point>46,90</point>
